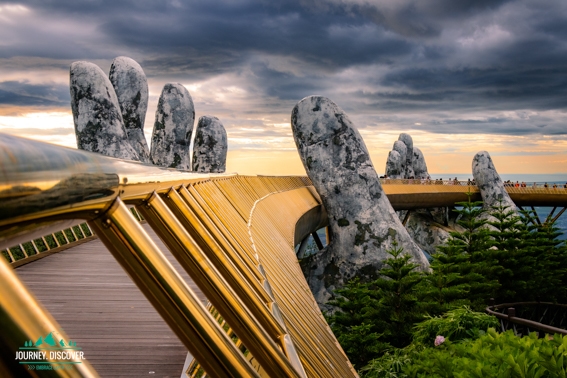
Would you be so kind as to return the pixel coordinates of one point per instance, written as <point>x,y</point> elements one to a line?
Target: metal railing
<point>408,194</point>
<point>34,249</point>
<point>233,234</point>
<point>527,317</point>
<point>418,181</point>
<point>510,187</point>
<point>47,244</point>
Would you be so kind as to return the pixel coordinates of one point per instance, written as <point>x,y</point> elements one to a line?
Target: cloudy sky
<point>459,76</point>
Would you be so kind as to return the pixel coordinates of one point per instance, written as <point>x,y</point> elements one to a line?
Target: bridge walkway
<point>100,307</point>
<point>408,194</point>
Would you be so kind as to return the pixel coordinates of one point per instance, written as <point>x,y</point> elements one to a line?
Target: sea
<point>529,179</point>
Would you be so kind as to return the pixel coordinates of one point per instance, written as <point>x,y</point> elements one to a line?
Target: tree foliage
<point>499,254</point>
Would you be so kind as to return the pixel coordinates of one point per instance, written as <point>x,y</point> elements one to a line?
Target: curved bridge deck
<point>419,194</point>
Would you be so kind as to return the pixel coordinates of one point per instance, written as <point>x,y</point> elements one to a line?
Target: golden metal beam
<point>169,294</point>
<point>254,325</point>
<point>232,266</point>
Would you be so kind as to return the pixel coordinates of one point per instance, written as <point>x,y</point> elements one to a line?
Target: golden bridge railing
<point>408,194</point>
<point>233,234</point>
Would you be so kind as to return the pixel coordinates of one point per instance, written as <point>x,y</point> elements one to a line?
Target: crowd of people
<point>534,186</point>
<point>430,181</point>
<point>455,181</point>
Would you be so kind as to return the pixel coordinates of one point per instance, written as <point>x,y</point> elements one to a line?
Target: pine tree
<point>547,257</point>
<point>464,270</point>
<point>373,317</point>
<point>398,291</point>
<point>508,234</point>
<point>444,288</point>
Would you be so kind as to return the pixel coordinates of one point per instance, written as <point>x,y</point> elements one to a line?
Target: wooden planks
<point>101,309</point>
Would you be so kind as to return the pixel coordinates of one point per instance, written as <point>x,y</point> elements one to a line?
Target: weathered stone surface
<point>405,161</point>
<point>419,166</point>
<point>402,150</point>
<point>394,167</point>
<point>362,223</point>
<point>131,87</point>
<point>426,232</point>
<point>96,113</point>
<point>210,146</point>
<point>408,141</point>
<point>427,227</point>
<point>175,116</point>
<point>489,182</point>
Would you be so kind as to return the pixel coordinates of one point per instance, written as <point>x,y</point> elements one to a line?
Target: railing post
<point>55,240</point>
<point>65,236</point>
<point>47,247</point>
<point>10,254</point>
<point>23,251</point>
<point>34,247</point>
<point>302,247</point>
<point>89,228</point>
<point>74,233</point>
<point>317,240</point>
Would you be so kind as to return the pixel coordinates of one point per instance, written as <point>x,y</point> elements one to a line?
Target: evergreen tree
<point>464,270</point>
<point>547,257</point>
<point>508,233</point>
<point>357,324</point>
<point>375,316</point>
<point>444,288</point>
<point>398,291</point>
<point>505,256</point>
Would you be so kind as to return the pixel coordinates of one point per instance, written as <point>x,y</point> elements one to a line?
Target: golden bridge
<point>211,270</point>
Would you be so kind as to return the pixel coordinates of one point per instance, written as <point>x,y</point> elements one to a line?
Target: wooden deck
<point>101,309</point>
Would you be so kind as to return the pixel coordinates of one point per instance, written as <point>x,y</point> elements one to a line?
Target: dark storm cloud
<point>25,94</point>
<point>423,57</point>
<point>543,89</point>
<point>225,30</point>
<point>421,19</point>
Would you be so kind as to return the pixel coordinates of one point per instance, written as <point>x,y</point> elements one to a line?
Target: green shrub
<point>508,258</point>
<point>17,253</point>
<point>85,229</point>
<point>41,247</point>
<point>468,263</point>
<point>60,238</point>
<point>389,365</point>
<point>493,355</point>
<point>30,250</point>
<point>456,325</point>
<point>78,232</point>
<point>69,235</point>
<point>50,241</point>
<point>533,259</point>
